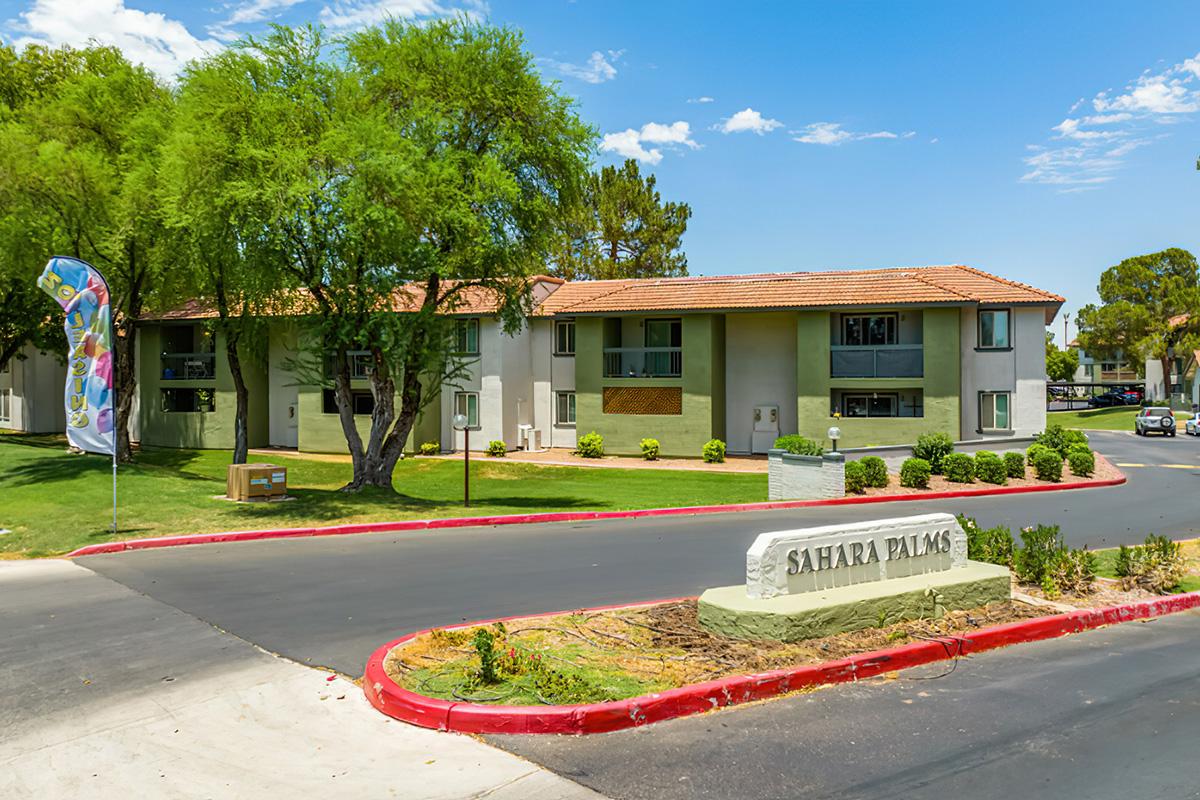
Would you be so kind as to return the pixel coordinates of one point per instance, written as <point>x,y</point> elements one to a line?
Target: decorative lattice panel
<point>643,400</point>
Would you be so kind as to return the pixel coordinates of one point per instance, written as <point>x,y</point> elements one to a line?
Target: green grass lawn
<point>1101,419</point>
<point>54,502</point>
<point>1106,565</point>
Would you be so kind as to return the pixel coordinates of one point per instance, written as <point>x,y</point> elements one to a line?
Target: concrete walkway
<point>107,693</point>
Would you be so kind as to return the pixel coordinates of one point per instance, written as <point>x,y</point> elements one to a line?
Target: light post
<point>834,433</point>
<point>460,424</point>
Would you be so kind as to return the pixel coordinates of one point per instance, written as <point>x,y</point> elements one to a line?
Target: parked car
<point>1132,396</point>
<point>1108,399</point>
<point>1154,419</point>
<point>1192,426</point>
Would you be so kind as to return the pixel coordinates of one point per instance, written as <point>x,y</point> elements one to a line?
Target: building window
<point>870,405</point>
<point>361,364</point>
<point>183,401</point>
<point>467,404</point>
<point>361,400</point>
<point>566,408</point>
<point>1108,366</point>
<point>6,405</point>
<point>564,337</point>
<point>664,333</point>
<point>993,329</point>
<point>993,411</point>
<point>466,337</point>
<point>868,330</point>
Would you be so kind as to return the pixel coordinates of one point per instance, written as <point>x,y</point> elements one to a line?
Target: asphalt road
<point>331,601</point>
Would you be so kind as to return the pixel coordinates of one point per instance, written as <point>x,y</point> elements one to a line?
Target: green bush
<point>713,451</point>
<point>1082,462</point>
<point>1061,439</point>
<point>914,473</point>
<point>650,449</point>
<point>933,447</point>
<point>1073,571</point>
<point>959,468</point>
<point>798,445</point>
<point>992,545</point>
<point>1047,464</point>
<point>1014,464</point>
<point>429,448</point>
<point>1032,561</point>
<point>875,471</point>
<point>1032,451</point>
<point>590,445</point>
<point>497,449</point>
<point>856,477</point>
<point>990,468</point>
<point>1157,566</point>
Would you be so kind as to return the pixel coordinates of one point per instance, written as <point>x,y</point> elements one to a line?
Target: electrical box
<point>766,428</point>
<point>256,482</point>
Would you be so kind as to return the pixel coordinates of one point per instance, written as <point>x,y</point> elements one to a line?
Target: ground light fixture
<point>460,424</point>
<point>834,433</point>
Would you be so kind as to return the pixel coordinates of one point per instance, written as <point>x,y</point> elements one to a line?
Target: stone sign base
<point>727,610</point>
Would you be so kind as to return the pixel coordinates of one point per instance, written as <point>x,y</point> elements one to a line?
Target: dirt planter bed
<point>847,657</point>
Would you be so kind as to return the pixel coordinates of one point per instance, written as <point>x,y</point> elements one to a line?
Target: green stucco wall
<point>702,381</point>
<point>204,430</point>
<point>322,433</point>
<point>940,385</point>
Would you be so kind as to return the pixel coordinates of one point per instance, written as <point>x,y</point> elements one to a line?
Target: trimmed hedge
<point>914,473</point>
<point>1061,439</point>
<point>1014,464</point>
<point>1048,465</point>
<point>1082,462</point>
<point>713,451</point>
<point>875,472</point>
<point>590,445</point>
<point>856,478</point>
<point>933,447</point>
<point>429,448</point>
<point>798,445</point>
<point>650,449</point>
<point>497,449</point>
<point>990,468</point>
<point>959,468</point>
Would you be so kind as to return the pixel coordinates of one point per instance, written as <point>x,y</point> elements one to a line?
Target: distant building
<point>31,393</point>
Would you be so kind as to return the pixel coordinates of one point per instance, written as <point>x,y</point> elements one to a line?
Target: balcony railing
<point>882,361</point>
<point>643,362</point>
<point>189,366</point>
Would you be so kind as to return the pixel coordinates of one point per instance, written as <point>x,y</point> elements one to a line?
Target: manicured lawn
<point>1101,419</point>
<point>54,502</point>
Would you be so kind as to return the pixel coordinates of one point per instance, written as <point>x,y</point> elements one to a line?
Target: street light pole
<point>460,423</point>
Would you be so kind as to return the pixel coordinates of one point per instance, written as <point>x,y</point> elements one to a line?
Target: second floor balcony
<point>643,362</point>
<point>878,361</point>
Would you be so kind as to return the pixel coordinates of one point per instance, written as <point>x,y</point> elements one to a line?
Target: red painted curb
<point>559,516</point>
<point>444,715</point>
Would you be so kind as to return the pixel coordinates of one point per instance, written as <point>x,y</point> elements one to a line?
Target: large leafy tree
<point>623,229</point>
<point>410,170</point>
<point>81,153</point>
<point>1150,309</point>
<point>1060,364</point>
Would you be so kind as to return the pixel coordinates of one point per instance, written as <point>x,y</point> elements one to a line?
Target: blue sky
<point>1042,142</point>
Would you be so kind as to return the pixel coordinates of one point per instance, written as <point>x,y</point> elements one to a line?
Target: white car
<point>1154,419</point>
<point>1192,426</point>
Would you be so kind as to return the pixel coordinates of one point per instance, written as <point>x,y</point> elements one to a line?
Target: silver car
<point>1154,420</point>
<point>1192,426</point>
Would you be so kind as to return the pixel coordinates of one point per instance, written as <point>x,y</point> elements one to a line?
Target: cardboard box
<point>255,481</point>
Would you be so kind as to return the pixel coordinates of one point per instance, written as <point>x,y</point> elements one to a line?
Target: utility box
<point>256,482</point>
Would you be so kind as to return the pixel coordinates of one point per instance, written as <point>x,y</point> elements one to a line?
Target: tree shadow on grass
<point>67,467</point>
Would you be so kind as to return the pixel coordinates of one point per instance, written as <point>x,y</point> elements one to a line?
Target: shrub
<point>1032,451</point>
<point>933,447</point>
<point>1047,464</point>
<point>875,472</point>
<point>650,449</point>
<point>590,445</point>
<point>1060,439</point>
<point>1157,566</point>
<point>1073,571</point>
<point>856,477</point>
<point>1079,448</point>
<point>959,468</point>
<point>914,473</point>
<point>993,545</point>
<point>1031,562</point>
<point>497,449</point>
<point>990,468</point>
<point>1082,462</point>
<point>798,445</point>
<point>713,451</point>
<point>1014,464</point>
<point>429,448</point>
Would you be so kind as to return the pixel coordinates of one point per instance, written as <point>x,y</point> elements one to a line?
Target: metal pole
<point>467,466</point>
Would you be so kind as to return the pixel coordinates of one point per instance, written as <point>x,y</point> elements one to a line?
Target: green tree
<point>622,229</point>
<point>1144,301</point>
<point>1060,364</point>
<point>82,151</point>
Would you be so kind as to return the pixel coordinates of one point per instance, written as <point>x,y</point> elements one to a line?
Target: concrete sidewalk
<point>106,693</point>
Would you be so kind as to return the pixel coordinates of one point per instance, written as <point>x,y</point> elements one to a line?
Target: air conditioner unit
<point>766,428</point>
<point>529,438</point>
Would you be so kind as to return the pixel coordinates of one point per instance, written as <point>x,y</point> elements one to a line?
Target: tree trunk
<point>8,353</point>
<point>125,383</point>
<point>241,437</point>
<point>1166,360</point>
<point>344,401</point>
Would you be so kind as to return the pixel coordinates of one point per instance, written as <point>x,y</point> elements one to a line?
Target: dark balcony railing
<point>189,366</point>
<point>643,362</point>
<point>883,361</point>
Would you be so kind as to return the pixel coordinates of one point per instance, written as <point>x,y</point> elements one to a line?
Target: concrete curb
<point>428,712</point>
<point>559,516</point>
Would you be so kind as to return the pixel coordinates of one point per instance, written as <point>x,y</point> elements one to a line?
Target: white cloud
<point>151,38</point>
<point>249,12</point>
<point>748,120</point>
<point>598,68</point>
<point>1089,148</point>
<point>347,14</point>
<point>702,99</point>
<point>628,144</point>
<point>832,133</point>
